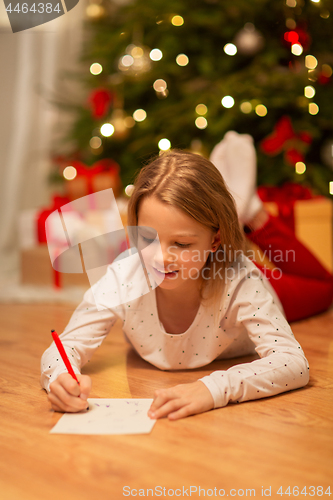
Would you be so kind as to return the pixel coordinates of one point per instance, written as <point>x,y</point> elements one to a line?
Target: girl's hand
<point>181,401</point>
<point>67,395</point>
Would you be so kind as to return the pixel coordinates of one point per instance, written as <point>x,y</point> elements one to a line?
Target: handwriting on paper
<point>108,416</point>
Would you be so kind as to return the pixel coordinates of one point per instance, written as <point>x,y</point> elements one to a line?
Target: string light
<point>156,55</point>
<point>313,108</point>
<point>246,107</point>
<point>139,115</point>
<point>201,109</point>
<point>300,167</point>
<point>69,173</point>
<point>95,142</point>
<point>164,144</point>
<point>291,3</point>
<point>227,101</point>
<point>201,122</point>
<point>291,23</point>
<point>160,85</point>
<point>230,49</point>
<point>96,69</point>
<point>331,187</point>
<point>182,60</point>
<point>126,61</point>
<point>177,21</point>
<point>311,62</point>
<point>129,189</point>
<point>135,60</point>
<point>296,49</point>
<point>260,110</point>
<point>107,129</point>
<point>309,91</point>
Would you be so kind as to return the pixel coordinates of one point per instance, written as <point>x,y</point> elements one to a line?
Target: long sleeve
<point>84,333</point>
<point>282,365</point>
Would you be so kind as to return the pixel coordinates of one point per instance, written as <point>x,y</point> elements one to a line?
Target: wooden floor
<point>285,440</point>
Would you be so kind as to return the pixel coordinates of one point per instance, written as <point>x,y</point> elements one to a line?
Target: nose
<point>164,256</point>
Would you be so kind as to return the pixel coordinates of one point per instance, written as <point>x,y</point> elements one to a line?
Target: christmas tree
<point>182,73</point>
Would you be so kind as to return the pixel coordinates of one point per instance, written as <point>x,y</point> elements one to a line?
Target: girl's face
<point>184,247</point>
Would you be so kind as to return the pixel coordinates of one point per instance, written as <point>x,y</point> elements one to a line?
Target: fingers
<point>85,386</point>
<point>66,395</point>
<point>165,402</point>
<point>181,401</point>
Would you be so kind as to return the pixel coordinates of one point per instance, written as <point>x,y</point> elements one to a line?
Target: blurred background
<point>89,97</point>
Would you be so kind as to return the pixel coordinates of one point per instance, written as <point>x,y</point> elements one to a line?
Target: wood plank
<point>283,441</point>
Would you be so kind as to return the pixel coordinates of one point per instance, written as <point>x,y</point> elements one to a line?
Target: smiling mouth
<point>165,272</point>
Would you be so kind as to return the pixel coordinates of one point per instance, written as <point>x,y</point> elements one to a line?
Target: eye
<point>183,245</point>
<point>147,240</point>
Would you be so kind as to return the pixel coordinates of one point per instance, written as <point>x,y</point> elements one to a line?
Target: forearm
<point>84,333</point>
<point>265,377</point>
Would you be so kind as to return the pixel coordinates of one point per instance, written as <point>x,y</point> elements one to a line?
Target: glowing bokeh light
<point>139,115</point>
<point>69,173</point>
<point>201,122</point>
<point>260,110</point>
<point>201,109</point>
<point>246,107</point>
<point>96,69</point>
<point>300,167</point>
<point>129,189</point>
<point>177,21</point>
<point>313,108</point>
<point>311,62</point>
<point>164,144</point>
<point>296,49</point>
<point>107,129</point>
<point>160,85</point>
<point>182,60</point>
<point>230,49</point>
<point>227,101</point>
<point>156,55</point>
<point>95,142</point>
<point>309,91</point>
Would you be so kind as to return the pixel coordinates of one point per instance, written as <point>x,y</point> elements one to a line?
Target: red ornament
<point>297,35</point>
<point>100,101</point>
<point>284,138</point>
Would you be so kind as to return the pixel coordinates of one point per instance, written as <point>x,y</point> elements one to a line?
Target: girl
<point>211,302</point>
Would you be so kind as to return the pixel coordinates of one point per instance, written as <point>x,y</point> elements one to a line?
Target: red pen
<point>63,354</point>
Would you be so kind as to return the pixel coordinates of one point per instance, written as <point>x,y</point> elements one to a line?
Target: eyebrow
<point>191,235</point>
<point>180,235</point>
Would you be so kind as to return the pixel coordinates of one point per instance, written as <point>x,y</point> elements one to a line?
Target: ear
<point>216,241</point>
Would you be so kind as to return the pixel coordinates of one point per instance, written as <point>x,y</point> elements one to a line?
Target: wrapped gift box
<point>104,174</point>
<point>36,267</point>
<point>313,226</point>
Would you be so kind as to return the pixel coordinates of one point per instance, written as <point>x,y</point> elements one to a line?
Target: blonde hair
<point>194,185</point>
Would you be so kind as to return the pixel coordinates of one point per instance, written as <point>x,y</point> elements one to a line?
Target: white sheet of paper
<point>108,416</point>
